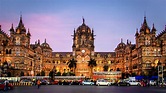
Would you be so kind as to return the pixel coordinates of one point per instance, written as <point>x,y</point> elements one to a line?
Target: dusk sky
<point>55,20</point>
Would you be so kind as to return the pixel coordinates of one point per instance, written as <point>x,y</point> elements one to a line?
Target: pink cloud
<point>51,27</point>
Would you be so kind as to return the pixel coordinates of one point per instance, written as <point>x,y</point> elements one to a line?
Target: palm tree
<point>72,64</point>
<point>105,67</point>
<point>92,63</point>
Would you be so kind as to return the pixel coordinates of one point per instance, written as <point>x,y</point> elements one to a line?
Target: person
<point>38,84</point>
<point>6,85</point>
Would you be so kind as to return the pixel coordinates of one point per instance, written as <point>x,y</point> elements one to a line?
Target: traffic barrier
<point>22,84</point>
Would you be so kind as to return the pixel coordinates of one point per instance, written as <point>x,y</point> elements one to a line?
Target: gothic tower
<point>83,48</point>
<point>19,35</point>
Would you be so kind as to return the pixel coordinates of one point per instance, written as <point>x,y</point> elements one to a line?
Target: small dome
<point>45,45</point>
<point>121,45</point>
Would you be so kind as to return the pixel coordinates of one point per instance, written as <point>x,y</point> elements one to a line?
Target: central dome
<point>83,28</point>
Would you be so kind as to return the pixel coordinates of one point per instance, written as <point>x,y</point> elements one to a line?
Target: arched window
<point>7,51</point>
<point>10,51</point>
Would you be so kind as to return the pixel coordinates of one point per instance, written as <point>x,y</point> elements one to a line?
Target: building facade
<point>24,58</point>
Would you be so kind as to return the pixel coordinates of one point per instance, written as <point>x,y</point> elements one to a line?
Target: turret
<point>29,34</point>
<point>144,27</point>
<point>11,30</point>
<point>21,29</point>
<point>136,34</point>
<point>153,30</point>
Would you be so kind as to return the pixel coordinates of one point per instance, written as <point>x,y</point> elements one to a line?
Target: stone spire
<point>11,29</point>
<point>29,34</point>
<point>21,25</point>
<point>153,29</point>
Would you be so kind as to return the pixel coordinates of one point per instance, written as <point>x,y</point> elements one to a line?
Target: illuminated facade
<point>31,59</point>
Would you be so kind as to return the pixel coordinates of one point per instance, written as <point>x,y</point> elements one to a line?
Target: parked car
<point>103,82</point>
<point>153,83</point>
<point>133,83</point>
<point>26,81</point>
<point>162,84</point>
<point>76,82</point>
<point>45,82</point>
<point>2,85</point>
<point>122,83</point>
<point>88,82</point>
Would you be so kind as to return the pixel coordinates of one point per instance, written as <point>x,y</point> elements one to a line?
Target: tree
<point>118,69</point>
<point>9,74</point>
<point>64,74</point>
<point>38,74</point>
<point>105,67</point>
<point>22,73</point>
<point>51,74</point>
<point>58,74</point>
<point>42,73</point>
<point>72,64</point>
<point>92,63</point>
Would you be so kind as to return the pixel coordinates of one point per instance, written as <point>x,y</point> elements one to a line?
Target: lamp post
<point>160,71</point>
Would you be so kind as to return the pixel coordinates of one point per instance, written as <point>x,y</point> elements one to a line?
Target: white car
<point>103,82</point>
<point>152,82</point>
<point>87,82</point>
<point>133,83</point>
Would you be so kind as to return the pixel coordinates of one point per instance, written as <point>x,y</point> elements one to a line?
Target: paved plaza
<point>86,89</point>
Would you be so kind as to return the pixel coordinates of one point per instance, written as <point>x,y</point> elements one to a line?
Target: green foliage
<point>64,74</point>
<point>92,63</point>
<point>72,63</point>
<point>105,67</point>
<point>38,74</point>
<point>9,74</point>
<point>58,74</point>
<point>22,73</point>
<point>42,73</point>
<point>51,74</point>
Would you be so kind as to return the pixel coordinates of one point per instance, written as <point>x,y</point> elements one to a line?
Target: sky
<point>55,20</point>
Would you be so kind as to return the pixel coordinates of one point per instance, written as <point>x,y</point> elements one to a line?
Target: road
<point>85,89</point>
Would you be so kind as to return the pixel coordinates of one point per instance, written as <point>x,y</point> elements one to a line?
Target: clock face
<point>83,51</point>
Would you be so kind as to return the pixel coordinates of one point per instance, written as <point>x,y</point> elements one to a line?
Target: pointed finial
<point>144,18</point>
<point>35,42</point>
<point>136,34</point>
<point>20,23</point>
<point>127,41</point>
<point>144,14</point>
<point>28,33</point>
<point>121,40</point>
<point>21,17</point>
<point>45,40</point>
<point>38,41</point>
<point>0,27</point>
<point>83,20</point>
<point>153,26</point>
